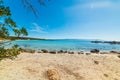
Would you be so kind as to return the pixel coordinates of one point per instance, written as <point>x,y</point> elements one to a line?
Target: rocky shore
<point>92,51</point>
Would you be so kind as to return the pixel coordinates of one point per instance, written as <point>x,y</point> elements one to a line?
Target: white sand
<point>70,67</point>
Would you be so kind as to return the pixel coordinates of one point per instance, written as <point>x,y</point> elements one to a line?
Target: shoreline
<point>93,51</point>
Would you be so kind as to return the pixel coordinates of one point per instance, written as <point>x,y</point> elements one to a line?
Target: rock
<point>106,75</point>
<point>70,52</point>
<point>39,52</point>
<point>112,42</point>
<point>118,56</point>
<point>96,42</point>
<point>27,50</point>
<point>30,51</point>
<point>44,51</point>
<point>22,50</point>
<point>96,62</point>
<point>87,53</point>
<point>94,51</point>
<point>81,52</point>
<point>52,52</point>
<point>53,74</point>
<point>61,51</point>
<point>65,51</point>
<point>114,52</point>
<point>103,52</point>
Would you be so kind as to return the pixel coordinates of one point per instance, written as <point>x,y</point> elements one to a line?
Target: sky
<point>69,19</point>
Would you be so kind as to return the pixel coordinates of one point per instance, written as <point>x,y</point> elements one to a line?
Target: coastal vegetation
<point>9,53</point>
<point>7,24</point>
<point>28,4</point>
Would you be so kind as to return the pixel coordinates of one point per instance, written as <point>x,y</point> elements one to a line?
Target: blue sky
<point>66,19</point>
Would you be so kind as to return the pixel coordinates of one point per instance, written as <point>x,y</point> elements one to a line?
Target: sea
<point>63,44</point>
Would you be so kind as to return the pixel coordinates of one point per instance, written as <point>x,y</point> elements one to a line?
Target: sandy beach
<point>69,66</point>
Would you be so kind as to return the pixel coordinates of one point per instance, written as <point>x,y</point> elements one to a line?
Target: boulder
<point>65,51</point>
<point>61,51</point>
<point>70,52</point>
<point>30,51</point>
<point>118,56</point>
<point>44,51</point>
<point>114,52</point>
<point>94,51</point>
<point>52,52</point>
<point>27,50</point>
<point>87,53</point>
<point>104,53</point>
<point>39,52</point>
<point>81,52</point>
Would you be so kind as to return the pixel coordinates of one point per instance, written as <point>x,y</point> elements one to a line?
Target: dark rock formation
<point>39,52</point>
<point>115,52</point>
<point>96,42</point>
<point>61,51</point>
<point>104,52</point>
<point>81,52</point>
<point>65,51</point>
<point>118,56</point>
<point>70,52</point>
<point>87,53</point>
<point>44,51</point>
<point>52,52</point>
<point>94,51</point>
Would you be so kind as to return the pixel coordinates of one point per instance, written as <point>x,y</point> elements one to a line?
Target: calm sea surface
<point>65,44</point>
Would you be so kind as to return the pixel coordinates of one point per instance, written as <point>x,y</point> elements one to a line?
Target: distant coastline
<point>107,42</point>
<point>21,38</point>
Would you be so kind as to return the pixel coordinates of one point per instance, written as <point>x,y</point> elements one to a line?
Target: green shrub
<point>9,53</point>
<point>2,52</point>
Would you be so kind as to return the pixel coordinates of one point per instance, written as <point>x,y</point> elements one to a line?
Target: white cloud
<point>99,4</point>
<point>94,5</point>
<point>38,28</point>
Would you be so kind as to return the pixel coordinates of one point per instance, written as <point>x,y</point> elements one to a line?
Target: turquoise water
<point>65,44</point>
